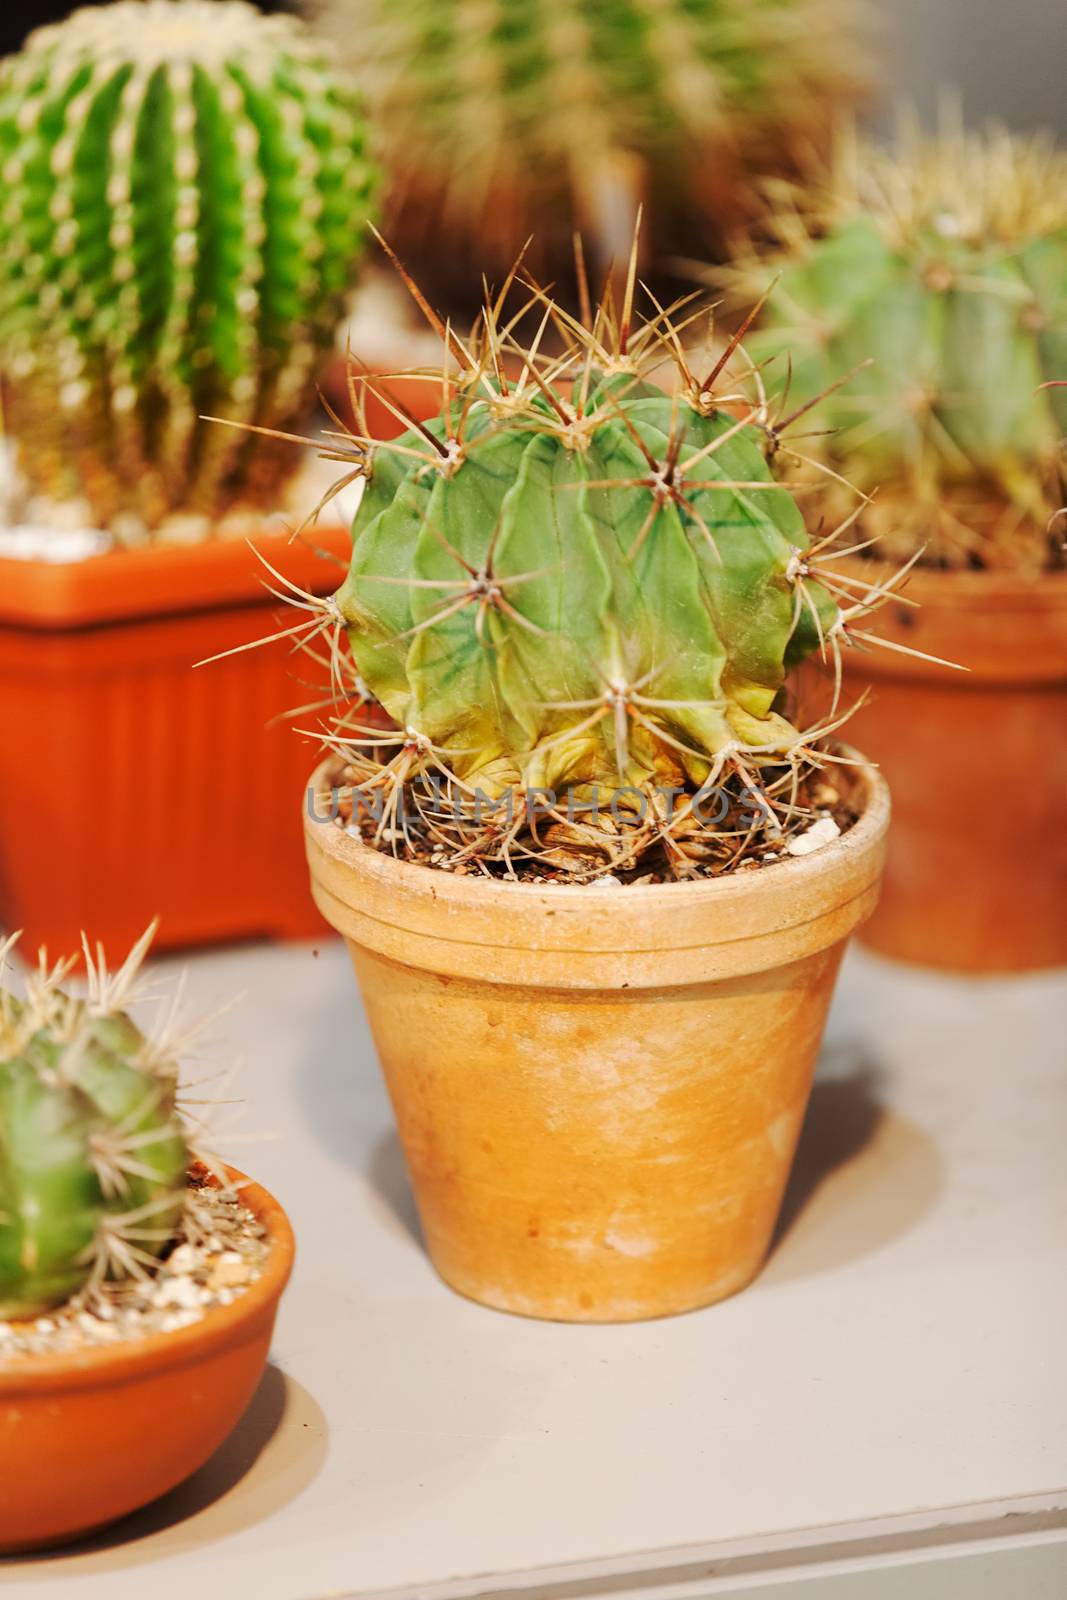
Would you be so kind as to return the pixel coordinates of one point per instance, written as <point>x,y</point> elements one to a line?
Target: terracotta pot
<point>419,396</point>
<point>976,879</point>
<point>598,1090</point>
<point>87,1438</point>
<point>132,785</point>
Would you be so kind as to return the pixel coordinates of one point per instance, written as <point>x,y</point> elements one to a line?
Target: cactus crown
<point>185,183</point>
<point>93,1156</point>
<point>498,118</point>
<point>945,261</point>
<point>574,580</point>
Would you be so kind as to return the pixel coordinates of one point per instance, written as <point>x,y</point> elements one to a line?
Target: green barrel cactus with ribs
<point>576,579</point>
<point>504,120</point>
<point>93,1158</point>
<point>184,188</point>
<point>945,262</point>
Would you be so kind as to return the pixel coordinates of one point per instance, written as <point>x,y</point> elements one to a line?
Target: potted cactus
<point>502,122</point>
<point>184,189</point>
<point>595,882</point>
<point>946,261</point>
<point>134,1279</point>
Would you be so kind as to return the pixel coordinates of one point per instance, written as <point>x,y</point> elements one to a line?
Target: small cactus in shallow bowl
<point>134,1271</point>
<point>944,261</point>
<point>184,188</point>
<point>504,120</point>
<point>93,1152</point>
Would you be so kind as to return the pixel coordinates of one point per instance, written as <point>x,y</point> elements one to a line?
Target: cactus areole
<point>184,188</point>
<point>92,1154</point>
<point>579,582</point>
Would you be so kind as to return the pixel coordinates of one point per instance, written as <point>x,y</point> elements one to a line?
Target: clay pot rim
<point>999,628</point>
<point>167,579</point>
<point>963,588</point>
<point>448,891</point>
<point>134,1359</point>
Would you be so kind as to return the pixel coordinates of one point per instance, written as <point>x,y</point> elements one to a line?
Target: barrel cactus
<point>502,120</point>
<point>573,582</point>
<point>184,188</point>
<point>92,1154</point>
<point>946,261</point>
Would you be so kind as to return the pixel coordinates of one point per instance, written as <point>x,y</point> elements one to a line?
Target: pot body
<point>415,395</point>
<point>124,774</point>
<point>87,1439</point>
<point>976,876</point>
<point>598,1091</point>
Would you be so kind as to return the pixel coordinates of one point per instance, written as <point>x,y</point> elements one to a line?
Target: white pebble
<point>825,831</point>
<point>184,1260</point>
<point>177,1292</point>
<point>229,1270</point>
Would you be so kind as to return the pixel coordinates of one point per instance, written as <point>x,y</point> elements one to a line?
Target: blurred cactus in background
<point>946,262</point>
<point>185,187</point>
<point>504,120</point>
<point>93,1157</point>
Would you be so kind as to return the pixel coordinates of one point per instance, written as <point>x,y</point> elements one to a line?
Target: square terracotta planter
<point>132,785</point>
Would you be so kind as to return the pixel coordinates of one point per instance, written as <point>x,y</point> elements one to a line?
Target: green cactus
<point>573,580</point>
<point>504,120</point>
<point>92,1154</point>
<point>946,262</point>
<point>185,185</point>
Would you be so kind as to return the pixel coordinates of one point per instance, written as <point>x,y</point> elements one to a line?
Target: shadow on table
<point>388,1175</point>
<point>863,1174</point>
<point>275,1451</point>
<point>342,1097</point>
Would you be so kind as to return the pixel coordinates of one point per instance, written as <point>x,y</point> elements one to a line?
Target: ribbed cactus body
<point>947,266</point>
<point>185,185</point>
<point>597,588</point>
<point>92,1155</point>
<point>503,120</point>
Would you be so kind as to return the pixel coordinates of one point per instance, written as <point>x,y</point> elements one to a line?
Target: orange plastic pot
<point>132,785</point>
<point>598,1090</point>
<point>87,1438</point>
<point>976,878</point>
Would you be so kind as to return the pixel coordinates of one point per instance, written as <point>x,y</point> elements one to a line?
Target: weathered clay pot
<point>86,1438</point>
<point>598,1090</point>
<point>976,878</point>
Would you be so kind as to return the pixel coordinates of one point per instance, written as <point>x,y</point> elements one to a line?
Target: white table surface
<point>896,1377</point>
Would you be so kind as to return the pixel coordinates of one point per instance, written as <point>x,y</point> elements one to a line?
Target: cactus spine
<point>945,261</point>
<point>501,120</point>
<point>184,188</point>
<point>92,1154</point>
